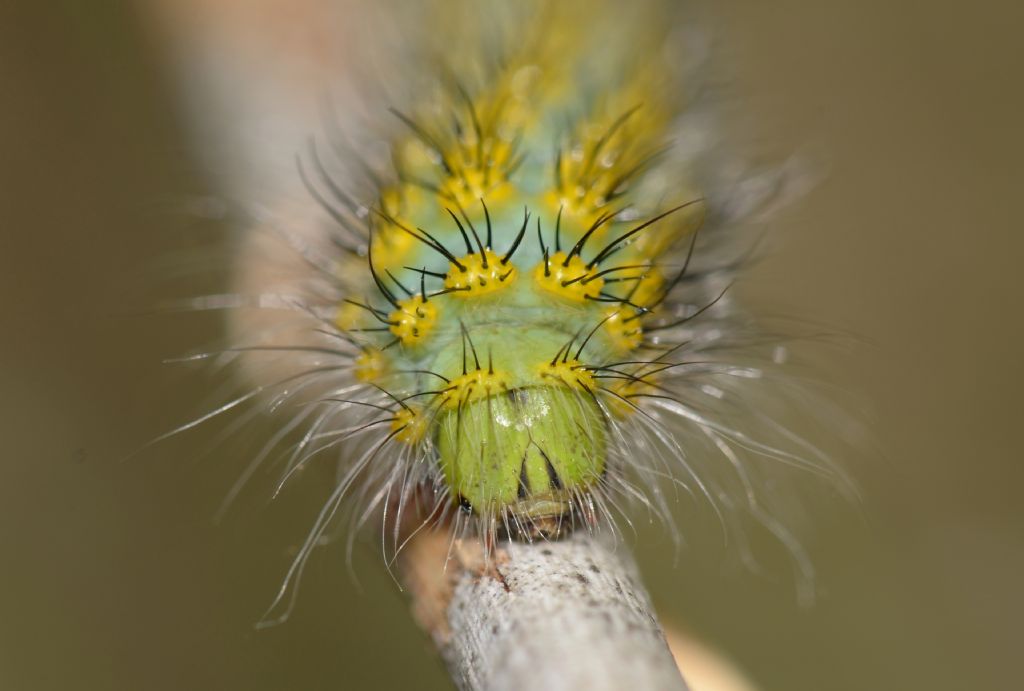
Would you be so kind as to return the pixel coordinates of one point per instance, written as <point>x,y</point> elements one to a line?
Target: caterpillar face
<point>525,454</point>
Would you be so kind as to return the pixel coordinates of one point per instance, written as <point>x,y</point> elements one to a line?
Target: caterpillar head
<point>525,455</point>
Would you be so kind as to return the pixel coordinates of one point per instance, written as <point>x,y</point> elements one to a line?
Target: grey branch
<point>569,614</point>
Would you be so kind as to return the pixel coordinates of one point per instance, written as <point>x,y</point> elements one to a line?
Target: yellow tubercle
<point>474,386</point>
<point>410,425</point>
<point>391,244</point>
<point>581,205</point>
<point>677,233</point>
<point>413,320</point>
<point>624,335</point>
<point>412,154</point>
<point>370,365</point>
<point>394,199</point>
<point>471,184</point>
<point>349,316</point>
<point>474,161</point>
<point>477,275</point>
<point>624,390</point>
<point>568,277</point>
<point>571,372</point>
<point>647,289</point>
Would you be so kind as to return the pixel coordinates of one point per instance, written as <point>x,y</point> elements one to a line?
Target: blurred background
<point>114,575</point>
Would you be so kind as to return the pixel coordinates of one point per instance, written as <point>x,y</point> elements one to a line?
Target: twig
<point>569,614</point>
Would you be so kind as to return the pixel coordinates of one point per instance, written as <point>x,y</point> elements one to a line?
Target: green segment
<point>515,345</point>
<point>528,450</point>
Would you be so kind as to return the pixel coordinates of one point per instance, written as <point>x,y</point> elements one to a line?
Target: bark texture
<point>568,614</point>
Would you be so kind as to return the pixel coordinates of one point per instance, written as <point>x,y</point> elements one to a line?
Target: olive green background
<point>114,576</point>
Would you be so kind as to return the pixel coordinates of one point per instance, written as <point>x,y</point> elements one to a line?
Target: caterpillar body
<point>511,280</point>
<point>517,320</point>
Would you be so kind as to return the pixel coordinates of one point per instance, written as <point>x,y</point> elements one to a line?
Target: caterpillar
<point>516,317</point>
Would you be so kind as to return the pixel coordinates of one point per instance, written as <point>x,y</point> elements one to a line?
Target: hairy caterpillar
<point>516,319</point>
